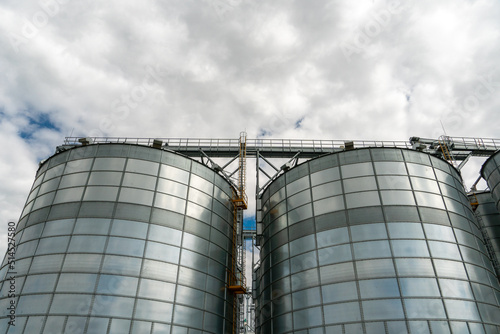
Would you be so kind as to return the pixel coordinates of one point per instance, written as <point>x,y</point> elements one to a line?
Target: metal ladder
<point>443,145</point>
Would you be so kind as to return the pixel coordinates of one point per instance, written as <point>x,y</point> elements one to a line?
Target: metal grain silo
<point>378,240</point>
<point>491,173</point>
<point>489,220</point>
<point>118,238</point>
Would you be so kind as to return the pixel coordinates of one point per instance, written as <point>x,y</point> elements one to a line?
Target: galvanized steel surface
<point>371,241</point>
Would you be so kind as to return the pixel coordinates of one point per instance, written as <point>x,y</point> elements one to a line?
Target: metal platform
<point>460,147</point>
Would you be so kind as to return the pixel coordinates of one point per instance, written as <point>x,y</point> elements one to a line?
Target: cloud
<point>375,70</point>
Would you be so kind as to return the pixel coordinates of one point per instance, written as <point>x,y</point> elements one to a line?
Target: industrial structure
<point>486,207</point>
<point>116,237</point>
<point>139,235</point>
<point>373,240</point>
<point>488,217</point>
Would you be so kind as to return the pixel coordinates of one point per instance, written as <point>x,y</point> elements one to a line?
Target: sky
<point>317,69</point>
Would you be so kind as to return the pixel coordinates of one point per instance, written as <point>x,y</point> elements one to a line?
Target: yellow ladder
<point>444,149</point>
<point>237,281</point>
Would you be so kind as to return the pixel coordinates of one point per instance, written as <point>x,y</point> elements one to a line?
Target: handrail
<point>278,143</point>
<point>477,146</point>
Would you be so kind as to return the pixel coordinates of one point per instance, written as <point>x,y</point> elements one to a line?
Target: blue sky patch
<point>37,122</point>
<point>249,223</point>
<point>264,133</point>
<point>298,124</point>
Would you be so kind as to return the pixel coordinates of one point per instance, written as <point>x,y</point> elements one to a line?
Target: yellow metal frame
<point>237,280</point>
<point>444,149</point>
<point>474,202</point>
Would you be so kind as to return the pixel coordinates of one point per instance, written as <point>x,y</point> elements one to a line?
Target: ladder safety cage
<point>237,281</point>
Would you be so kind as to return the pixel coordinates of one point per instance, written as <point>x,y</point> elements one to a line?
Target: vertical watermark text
<point>11,272</point>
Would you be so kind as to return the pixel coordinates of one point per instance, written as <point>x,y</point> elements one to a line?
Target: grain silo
<point>489,219</point>
<point>374,240</point>
<point>491,173</point>
<point>119,237</point>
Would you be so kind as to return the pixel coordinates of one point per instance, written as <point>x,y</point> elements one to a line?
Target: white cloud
<point>17,172</point>
<point>192,69</point>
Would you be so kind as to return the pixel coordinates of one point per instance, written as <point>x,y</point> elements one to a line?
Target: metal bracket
<point>288,165</point>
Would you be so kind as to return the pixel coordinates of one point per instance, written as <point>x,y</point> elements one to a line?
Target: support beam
<point>462,164</point>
